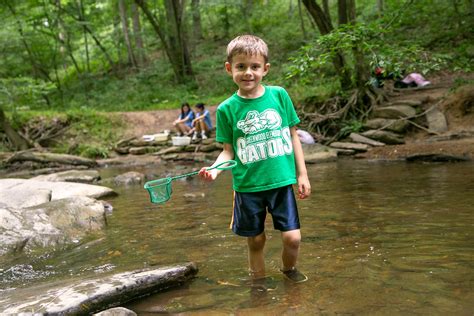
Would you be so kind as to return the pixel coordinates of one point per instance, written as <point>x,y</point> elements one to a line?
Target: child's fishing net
<point>160,190</point>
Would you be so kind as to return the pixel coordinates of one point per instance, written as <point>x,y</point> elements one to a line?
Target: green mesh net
<point>160,190</point>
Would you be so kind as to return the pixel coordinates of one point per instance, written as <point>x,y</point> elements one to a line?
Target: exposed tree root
<point>324,120</point>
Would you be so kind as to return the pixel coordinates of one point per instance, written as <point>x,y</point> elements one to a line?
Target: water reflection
<point>378,238</point>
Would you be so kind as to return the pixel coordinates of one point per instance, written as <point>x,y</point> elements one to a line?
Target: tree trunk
<point>182,35</point>
<point>351,11</point>
<point>361,67</point>
<point>101,47</point>
<point>380,7</point>
<point>91,33</point>
<point>39,71</point>
<point>126,34</point>
<point>342,12</point>
<point>177,38</point>
<point>325,27</point>
<point>226,20</point>
<point>300,13</point>
<point>318,16</point>
<point>153,21</point>
<point>18,142</point>
<point>197,28</point>
<point>137,34</point>
<point>327,12</point>
<point>82,20</point>
<point>61,35</point>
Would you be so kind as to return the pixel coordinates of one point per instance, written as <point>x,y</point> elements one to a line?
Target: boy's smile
<point>247,72</point>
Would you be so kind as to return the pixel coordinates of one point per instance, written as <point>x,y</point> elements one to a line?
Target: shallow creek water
<point>378,238</point>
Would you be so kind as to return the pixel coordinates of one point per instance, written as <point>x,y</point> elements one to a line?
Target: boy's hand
<point>208,175</point>
<point>304,187</point>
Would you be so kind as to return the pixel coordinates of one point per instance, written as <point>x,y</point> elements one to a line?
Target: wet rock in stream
<point>50,224</point>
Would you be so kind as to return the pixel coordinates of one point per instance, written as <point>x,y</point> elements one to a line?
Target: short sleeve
<point>223,127</point>
<point>289,109</point>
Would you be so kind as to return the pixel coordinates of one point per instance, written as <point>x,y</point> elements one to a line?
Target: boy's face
<point>247,72</point>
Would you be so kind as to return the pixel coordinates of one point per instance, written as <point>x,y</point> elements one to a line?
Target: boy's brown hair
<point>247,45</point>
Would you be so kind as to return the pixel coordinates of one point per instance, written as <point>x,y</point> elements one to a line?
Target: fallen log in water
<point>89,296</point>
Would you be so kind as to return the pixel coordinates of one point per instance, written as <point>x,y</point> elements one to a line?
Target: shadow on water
<point>378,238</point>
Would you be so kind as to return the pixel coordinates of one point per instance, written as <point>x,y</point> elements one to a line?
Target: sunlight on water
<point>378,238</point>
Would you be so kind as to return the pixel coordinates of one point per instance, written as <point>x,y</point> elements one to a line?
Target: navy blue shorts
<point>250,211</point>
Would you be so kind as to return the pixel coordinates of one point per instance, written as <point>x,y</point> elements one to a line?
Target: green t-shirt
<point>259,131</point>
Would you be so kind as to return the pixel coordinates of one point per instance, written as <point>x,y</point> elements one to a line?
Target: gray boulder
<point>436,121</point>
<point>394,112</point>
<point>349,146</point>
<point>89,296</point>
<point>82,176</point>
<point>317,153</point>
<point>365,140</point>
<point>397,126</point>
<point>384,137</point>
<point>413,103</point>
<point>51,224</point>
<point>129,178</point>
<point>19,193</point>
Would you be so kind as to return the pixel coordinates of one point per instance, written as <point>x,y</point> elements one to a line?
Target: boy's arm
<point>304,187</point>
<point>226,154</point>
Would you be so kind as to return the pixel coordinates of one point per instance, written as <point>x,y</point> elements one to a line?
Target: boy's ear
<point>228,67</point>
<point>266,68</point>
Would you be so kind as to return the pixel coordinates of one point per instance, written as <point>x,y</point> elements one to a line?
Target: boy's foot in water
<point>294,275</point>
<point>263,284</point>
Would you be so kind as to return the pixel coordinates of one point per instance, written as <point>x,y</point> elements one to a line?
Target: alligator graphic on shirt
<point>255,122</point>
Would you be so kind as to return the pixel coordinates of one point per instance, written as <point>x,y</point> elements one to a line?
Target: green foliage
<point>91,134</point>
<point>37,69</point>
<point>24,93</point>
<point>314,59</point>
<point>90,151</point>
<point>351,126</point>
<point>460,82</point>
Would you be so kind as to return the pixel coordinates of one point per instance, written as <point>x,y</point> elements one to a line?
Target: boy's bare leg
<point>256,259</point>
<point>291,247</point>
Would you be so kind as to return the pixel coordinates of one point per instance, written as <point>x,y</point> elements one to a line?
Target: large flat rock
<point>81,176</point>
<point>93,295</point>
<point>50,224</point>
<point>24,193</point>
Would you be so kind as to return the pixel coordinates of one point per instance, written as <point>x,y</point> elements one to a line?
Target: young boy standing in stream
<point>257,128</point>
